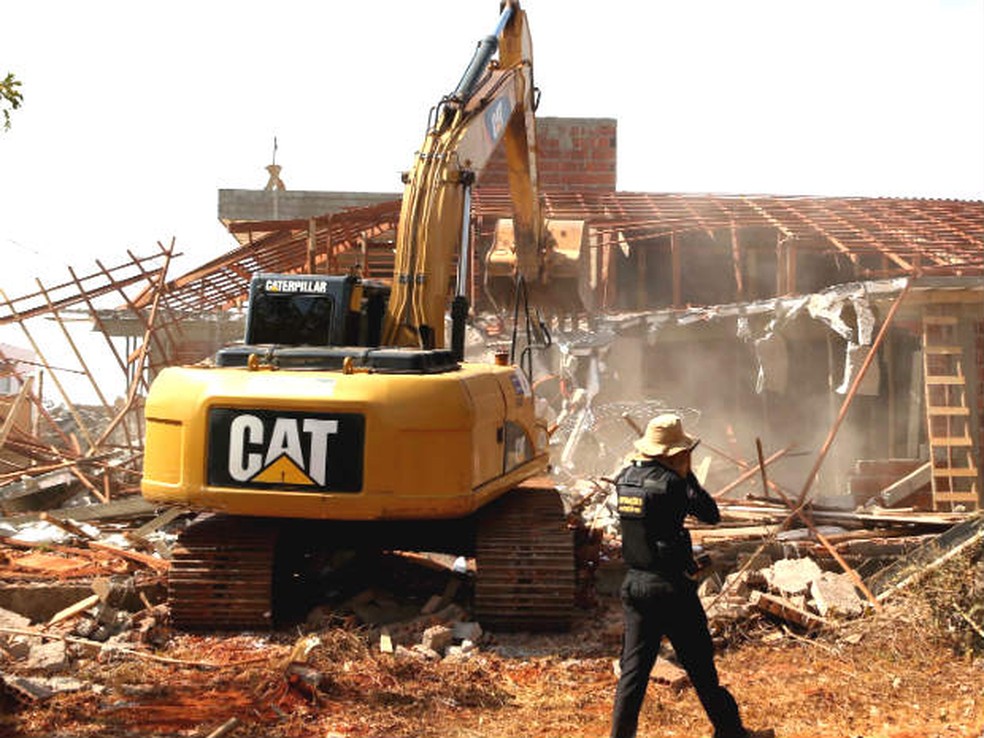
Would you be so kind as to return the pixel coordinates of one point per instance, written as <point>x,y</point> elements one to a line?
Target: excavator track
<point>525,561</point>
<point>221,575</point>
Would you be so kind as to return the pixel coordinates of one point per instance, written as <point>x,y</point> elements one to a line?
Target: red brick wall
<point>572,154</point>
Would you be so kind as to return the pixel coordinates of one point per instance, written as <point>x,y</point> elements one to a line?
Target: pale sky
<point>135,114</point>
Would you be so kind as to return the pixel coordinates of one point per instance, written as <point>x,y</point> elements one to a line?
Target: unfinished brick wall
<point>574,154</point>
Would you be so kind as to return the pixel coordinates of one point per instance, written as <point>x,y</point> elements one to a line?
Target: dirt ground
<point>893,674</point>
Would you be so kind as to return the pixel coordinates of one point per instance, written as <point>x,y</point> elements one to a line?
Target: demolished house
<point>828,351</point>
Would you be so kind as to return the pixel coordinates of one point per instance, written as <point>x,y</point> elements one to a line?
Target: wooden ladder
<point>951,449</point>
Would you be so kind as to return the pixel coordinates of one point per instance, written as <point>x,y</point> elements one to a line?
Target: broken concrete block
<point>402,652</point>
<point>48,657</point>
<point>385,642</point>
<point>736,583</point>
<point>113,591</point>
<point>429,653</point>
<point>11,619</point>
<point>665,672</point>
<point>18,647</point>
<point>437,638</point>
<point>834,594</point>
<point>457,655</point>
<point>466,631</point>
<point>25,691</point>
<point>792,576</point>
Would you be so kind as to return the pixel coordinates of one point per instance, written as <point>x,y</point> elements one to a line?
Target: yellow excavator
<point>343,422</point>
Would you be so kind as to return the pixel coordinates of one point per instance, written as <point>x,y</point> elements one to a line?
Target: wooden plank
<point>949,471</point>
<point>951,441</point>
<point>147,560</point>
<point>906,486</point>
<point>73,610</point>
<point>786,610</point>
<point>957,496</point>
<point>66,525</point>
<point>948,411</point>
<point>948,379</point>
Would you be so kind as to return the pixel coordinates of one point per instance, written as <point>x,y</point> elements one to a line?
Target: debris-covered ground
<point>389,662</point>
<point>889,675</point>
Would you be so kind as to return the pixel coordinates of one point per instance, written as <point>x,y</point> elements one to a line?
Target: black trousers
<point>657,606</point>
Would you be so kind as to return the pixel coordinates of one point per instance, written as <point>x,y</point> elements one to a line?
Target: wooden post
<point>790,269</point>
<point>780,264</point>
<point>736,264</point>
<point>312,242</point>
<point>675,266</point>
<point>765,479</point>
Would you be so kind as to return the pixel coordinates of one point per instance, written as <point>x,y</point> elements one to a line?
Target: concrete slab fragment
<point>834,594</point>
<point>793,576</point>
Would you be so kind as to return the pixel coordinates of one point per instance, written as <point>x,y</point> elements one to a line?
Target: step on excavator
<point>346,422</point>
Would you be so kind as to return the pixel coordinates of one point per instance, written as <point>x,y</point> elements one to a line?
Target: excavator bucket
<point>563,285</point>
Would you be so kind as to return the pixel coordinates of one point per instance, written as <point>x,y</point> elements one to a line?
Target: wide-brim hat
<point>665,436</point>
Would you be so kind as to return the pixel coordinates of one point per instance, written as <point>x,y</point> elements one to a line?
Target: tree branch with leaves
<point>10,97</point>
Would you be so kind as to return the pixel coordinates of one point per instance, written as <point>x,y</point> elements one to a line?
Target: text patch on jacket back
<point>631,503</point>
<point>303,452</point>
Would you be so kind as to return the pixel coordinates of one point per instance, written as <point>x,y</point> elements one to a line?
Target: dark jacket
<point>652,504</point>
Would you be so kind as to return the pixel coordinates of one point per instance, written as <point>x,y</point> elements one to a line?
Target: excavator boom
<point>492,105</point>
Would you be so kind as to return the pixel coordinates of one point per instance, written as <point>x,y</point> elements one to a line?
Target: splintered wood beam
<point>8,422</point>
<point>37,350</point>
<point>750,472</point>
<point>78,354</point>
<point>140,316</point>
<point>94,314</point>
<point>171,319</point>
<point>74,298</point>
<point>132,393</point>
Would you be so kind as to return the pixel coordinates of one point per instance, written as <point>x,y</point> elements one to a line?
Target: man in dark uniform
<point>656,491</point>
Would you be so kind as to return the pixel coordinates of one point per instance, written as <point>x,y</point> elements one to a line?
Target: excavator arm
<point>493,103</point>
